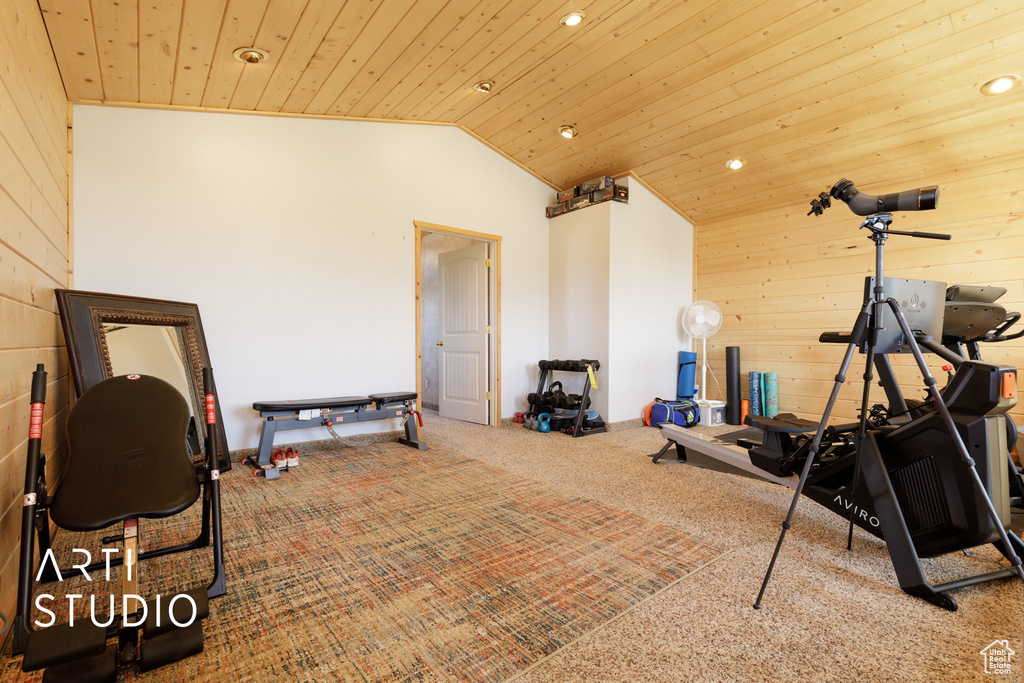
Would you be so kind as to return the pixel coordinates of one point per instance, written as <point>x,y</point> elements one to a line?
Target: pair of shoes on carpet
<point>286,458</point>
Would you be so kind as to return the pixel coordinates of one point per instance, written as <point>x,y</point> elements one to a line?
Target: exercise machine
<point>327,412</point>
<point>933,482</point>
<point>973,317</point>
<point>127,460</point>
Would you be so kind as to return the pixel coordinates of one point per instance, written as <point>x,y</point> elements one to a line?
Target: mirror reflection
<point>148,350</point>
<point>158,351</point>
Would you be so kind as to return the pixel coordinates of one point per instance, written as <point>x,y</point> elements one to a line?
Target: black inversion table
<point>127,460</point>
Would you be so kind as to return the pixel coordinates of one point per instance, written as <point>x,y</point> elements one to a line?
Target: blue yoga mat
<point>755,392</point>
<point>770,393</point>
<point>687,375</point>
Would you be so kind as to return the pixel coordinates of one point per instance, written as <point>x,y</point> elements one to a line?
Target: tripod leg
<point>862,429</point>
<point>932,388</point>
<point>840,378</point>
<point>885,370</point>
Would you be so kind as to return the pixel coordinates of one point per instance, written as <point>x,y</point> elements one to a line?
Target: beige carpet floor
<point>829,614</point>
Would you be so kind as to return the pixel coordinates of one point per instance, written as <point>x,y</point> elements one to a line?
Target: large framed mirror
<point>110,334</point>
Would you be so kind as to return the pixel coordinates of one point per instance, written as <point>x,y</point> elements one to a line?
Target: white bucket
<point>712,413</point>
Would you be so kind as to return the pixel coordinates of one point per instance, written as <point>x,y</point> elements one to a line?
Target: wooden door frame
<point>494,305</point>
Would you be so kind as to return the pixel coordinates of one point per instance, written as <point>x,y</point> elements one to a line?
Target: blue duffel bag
<point>684,412</point>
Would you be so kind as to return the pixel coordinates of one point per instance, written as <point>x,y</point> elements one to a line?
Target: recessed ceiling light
<point>251,55</point>
<point>484,86</point>
<point>572,18</point>
<point>997,86</point>
<point>735,164</point>
<point>568,131</point>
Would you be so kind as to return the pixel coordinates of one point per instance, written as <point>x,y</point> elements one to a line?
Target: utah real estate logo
<point>997,656</point>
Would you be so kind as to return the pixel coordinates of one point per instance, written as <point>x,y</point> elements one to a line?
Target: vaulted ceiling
<point>805,91</point>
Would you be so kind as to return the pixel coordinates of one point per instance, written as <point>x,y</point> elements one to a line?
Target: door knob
<point>440,343</point>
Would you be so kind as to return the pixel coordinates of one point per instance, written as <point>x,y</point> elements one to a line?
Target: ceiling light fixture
<point>251,55</point>
<point>735,164</point>
<point>484,86</point>
<point>572,18</point>
<point>997,86</point>
<point>568,131</point>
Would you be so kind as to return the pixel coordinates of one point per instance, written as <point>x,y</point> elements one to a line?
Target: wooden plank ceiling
<point>806,91</point>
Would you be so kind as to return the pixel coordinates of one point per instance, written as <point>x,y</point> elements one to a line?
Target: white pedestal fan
<point>702,319</point>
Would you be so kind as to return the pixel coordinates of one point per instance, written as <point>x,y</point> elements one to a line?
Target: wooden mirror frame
<point>83,315</point>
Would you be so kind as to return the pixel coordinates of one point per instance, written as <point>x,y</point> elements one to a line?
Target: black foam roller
<point>63,643</point>
<point>732,385</point>
<point>182,612</point>
<point>99,669</point>
<point>171,646</point>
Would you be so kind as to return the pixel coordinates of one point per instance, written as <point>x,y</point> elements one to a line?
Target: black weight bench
<point>127,460</point>
<point>327,412</point>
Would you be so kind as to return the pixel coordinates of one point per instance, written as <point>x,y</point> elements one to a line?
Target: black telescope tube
<point>920,199</point>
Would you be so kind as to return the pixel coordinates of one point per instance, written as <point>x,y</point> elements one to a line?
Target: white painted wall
<point>578,316</point>
<point>295,237</point>
<point>620,274</point>
<point>650,280</point>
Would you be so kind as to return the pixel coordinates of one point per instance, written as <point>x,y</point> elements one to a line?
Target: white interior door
<point>462,324</point>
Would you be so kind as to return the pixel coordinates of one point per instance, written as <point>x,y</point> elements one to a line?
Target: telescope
<point>921,199</point>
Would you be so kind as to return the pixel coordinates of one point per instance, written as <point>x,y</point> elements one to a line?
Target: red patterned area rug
<point>383,563</point>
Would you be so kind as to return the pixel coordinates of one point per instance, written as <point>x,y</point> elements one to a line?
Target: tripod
<point>869,466</point>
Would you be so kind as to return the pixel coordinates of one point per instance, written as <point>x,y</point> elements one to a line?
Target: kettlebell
<point>543,423</point>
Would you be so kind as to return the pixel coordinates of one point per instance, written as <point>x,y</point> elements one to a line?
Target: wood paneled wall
<point>34,253</point>
<point>782,277</point>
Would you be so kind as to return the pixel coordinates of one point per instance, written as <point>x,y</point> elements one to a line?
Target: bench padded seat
<point>394,397</point>
<point>312,403</point>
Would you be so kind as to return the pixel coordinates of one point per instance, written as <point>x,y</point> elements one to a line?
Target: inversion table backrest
<point>127,455</point>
